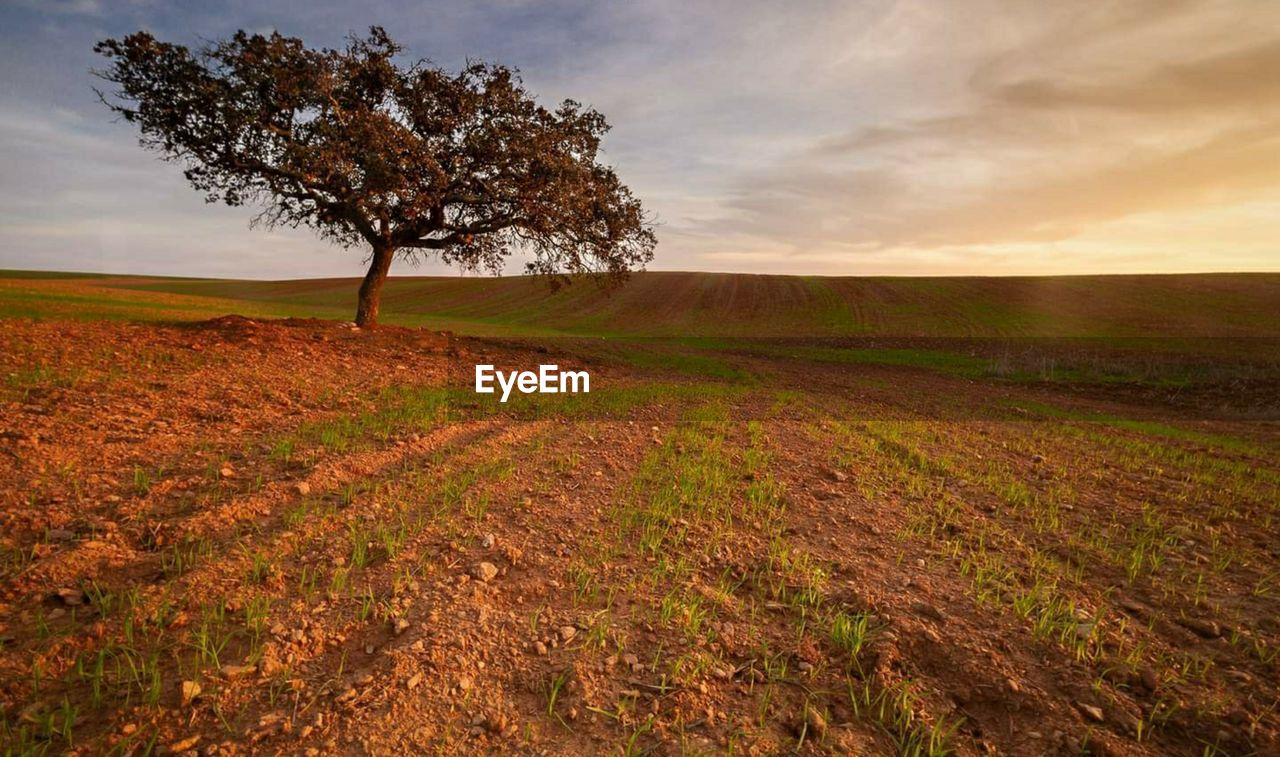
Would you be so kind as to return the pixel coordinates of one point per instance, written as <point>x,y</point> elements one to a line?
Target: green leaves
<point>365,150</point>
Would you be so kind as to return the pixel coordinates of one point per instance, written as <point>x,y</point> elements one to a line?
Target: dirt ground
<point>295,537</point>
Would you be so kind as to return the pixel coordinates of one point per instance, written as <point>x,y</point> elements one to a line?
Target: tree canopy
<point>406,159</point>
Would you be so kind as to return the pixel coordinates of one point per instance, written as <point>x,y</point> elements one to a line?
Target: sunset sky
<point>887,137</point>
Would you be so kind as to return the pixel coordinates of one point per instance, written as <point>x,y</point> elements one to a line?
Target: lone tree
<point>408,160</point>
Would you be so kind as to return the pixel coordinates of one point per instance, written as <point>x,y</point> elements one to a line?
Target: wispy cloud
<point>1084,121</point>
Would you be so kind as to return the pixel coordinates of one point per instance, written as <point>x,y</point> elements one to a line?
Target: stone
<point>190,690</point>
<point>266,722</point>
<point>234,672</point>
<point>1128,722</point>
<point>487,541</point>
<point>302,488</point>
<point>401,625</point>
<point>271,663</point>
<point>1205,629</point>
<point>540,649</point>
<point>498,722</point>
<point>928,611</point>
<point>485,571</point>
<point>185,744</point>
<point>1092,712</point>
<point>567,633</point>
<point>839,476</point>
<point>414,681</point>
<point>70,596</point>
<point>816,723</point>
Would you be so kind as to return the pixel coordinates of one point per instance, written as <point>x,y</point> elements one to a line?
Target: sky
<point>864,137</point>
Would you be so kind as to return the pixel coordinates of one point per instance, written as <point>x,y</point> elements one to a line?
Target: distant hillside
<point>709,304</point>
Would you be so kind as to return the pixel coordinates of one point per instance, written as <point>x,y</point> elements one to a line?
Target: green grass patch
<point>1146,427</point>
<point>684,363</point>
<point>940,361</point>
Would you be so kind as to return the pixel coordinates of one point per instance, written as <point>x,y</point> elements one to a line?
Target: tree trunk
<point>371,287</point>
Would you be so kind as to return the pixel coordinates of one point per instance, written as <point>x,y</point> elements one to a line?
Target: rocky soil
<point>296,537</point>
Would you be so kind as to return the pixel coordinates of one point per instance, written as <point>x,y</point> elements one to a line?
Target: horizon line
<point>534,277</point>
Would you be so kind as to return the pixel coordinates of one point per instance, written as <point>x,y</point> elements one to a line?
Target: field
<point>663,304</point>
<point>853,516</point>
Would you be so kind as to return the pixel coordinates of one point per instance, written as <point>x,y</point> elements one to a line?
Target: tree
<point>409,160</point>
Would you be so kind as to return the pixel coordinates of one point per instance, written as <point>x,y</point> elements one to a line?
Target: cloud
<point>1247,78</point>
<point>829,136</point>
<point>1049,141</point>
<point>1231,167</point>
<point>78,7</point>
<point>805,207</point>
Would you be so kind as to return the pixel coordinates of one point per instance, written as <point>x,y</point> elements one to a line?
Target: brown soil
<point>240,536</point>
